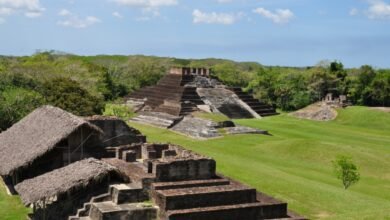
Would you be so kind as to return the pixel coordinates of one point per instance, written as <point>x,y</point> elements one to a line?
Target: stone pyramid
<point>186,90</point>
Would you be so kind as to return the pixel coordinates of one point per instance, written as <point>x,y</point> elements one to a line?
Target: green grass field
<point>11,207</point>
<point>294,164</point>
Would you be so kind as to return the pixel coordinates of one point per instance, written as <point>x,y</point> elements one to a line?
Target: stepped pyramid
<point>171,183</point>
<point>183,90</point>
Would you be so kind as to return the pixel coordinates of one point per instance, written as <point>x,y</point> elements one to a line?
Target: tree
<point>346,171</point>
<point>111,89</point>
<point>229,74</point>
<point>68,94</point>
<point>15,103</point>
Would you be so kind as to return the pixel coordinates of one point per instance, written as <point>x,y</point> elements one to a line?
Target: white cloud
<point>378,10</point>
<point>6,11</point>
<point>214,18</point>
<point>280,16</point>
<point>64,12</point>
<point>2,20</point>
<point>150,8</point>
<point>30,8</point>
<point>353,12</point>
<point>147,3</point>
<point>117,14</point>
<point>74,21</point>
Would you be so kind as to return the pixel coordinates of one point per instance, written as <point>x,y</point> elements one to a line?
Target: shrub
<point>68,94</point>
<point>15,103</point>
<point>121,111</point>
<point>346,171</point>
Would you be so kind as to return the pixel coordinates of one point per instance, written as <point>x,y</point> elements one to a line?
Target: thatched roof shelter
<point>57,182</point>
<point>35,135</point>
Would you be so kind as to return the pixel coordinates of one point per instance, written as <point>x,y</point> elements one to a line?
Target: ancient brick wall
<point>190,169</point>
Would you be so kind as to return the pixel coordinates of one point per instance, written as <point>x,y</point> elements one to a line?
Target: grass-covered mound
<point>295,164</point>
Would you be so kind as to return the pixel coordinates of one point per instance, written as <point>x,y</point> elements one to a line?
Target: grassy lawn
<point>11,207</point>
<point>295,163</point>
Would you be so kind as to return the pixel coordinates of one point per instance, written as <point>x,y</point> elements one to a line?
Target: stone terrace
<point>183,185</point>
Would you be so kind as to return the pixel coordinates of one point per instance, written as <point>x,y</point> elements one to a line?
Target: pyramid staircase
<point>123,201</point>
<point>183,100</point>
<point>203,198</point>
<point>259,107</point>
<point>171,96</point>
<point>215,199</point>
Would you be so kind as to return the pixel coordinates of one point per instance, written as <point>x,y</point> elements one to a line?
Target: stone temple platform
<point>186,90</point>
<point>194,127</point>
<point>168,182</point>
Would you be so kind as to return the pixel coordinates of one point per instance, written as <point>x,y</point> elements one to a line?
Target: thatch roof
<point>57,182</point>
<point>35,135</point>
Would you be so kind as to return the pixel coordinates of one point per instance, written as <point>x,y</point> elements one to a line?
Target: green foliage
<point>111,90</point>
<point>68,94</point>
<point>15,103</point>
<point>119,110</point>
<point>370,87</point>
<point>231,75</point>
<point>293,88</point>
<point>346,171</point>
<point>109,78</point>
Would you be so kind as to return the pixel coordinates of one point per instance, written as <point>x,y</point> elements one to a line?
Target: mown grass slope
<point>11,207</point>
<point>295,163</point>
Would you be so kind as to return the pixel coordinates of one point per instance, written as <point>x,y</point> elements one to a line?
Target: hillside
<point>295,163</point>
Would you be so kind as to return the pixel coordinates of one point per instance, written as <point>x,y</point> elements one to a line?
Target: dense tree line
<point>84,84</point>
<point>294,88</point>
<point>81,85</point>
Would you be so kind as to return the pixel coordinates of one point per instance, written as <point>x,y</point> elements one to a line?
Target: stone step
<point>189,184</point>
<point>265,110</point>
<point>79,218</point>
<point>248,211</point>
<point>264,208</point>
<point>268,114</point>
<point>153,120</point>
<point>84,211</point>
<point>127,193</point>
<point>187,198</point>
<point>130,211</point>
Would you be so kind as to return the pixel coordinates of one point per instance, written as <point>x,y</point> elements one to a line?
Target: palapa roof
<point>36,134</point>
<point>57,182</point>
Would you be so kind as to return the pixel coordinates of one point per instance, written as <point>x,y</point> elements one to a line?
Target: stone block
<point>129,156</point>
<point>169,153</point>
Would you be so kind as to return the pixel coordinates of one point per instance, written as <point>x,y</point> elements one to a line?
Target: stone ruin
<point>184,90</point>
<point>336,102</point>
<point>171,103</point>
<point>134,180</point>
<point>179,185</point>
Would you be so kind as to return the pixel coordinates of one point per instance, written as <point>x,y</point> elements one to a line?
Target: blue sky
<point>272,32</point>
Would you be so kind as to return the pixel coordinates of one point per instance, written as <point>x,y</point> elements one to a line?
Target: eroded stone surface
<point>244,130</point>
<point>197,127</point>
<point>318,112</point>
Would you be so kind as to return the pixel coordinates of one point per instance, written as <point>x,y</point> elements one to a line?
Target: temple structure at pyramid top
<point>185,90</point>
